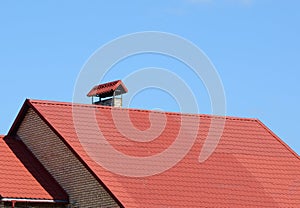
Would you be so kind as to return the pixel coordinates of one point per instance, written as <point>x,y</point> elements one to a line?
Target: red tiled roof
<point>250,166</point>
<point>22,176</point>
<point>107,88</point>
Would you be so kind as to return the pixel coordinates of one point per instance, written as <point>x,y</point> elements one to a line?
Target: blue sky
<point>253,44</point>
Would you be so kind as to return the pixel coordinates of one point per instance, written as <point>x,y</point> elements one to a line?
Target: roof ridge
<point>108,84</point>
<point>48,102</point>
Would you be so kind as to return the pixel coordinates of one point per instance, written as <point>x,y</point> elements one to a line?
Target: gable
<point>83,189</point>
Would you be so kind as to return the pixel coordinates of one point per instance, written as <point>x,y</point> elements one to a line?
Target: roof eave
<point>8,199</point>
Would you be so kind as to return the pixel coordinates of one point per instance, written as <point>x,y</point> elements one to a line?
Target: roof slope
<point>250,166</point>
<point>22,176</point>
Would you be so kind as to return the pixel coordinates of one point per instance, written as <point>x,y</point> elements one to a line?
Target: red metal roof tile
<point>250,166</point>
<point>107,88</point>
<point>22,176</point>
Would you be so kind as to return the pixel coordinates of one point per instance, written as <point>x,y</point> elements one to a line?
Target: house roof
<point>107,89</point>
<point>23,177</point>
<point>251,166</point>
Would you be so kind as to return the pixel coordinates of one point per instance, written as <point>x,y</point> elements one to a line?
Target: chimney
<point>108,94</point>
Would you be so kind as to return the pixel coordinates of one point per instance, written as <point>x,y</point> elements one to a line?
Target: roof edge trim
<point>6,199</point>
<point>18,120</point>
<point>277,138</point>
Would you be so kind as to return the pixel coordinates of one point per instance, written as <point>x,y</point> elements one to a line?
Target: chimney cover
<point>110,89</point>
